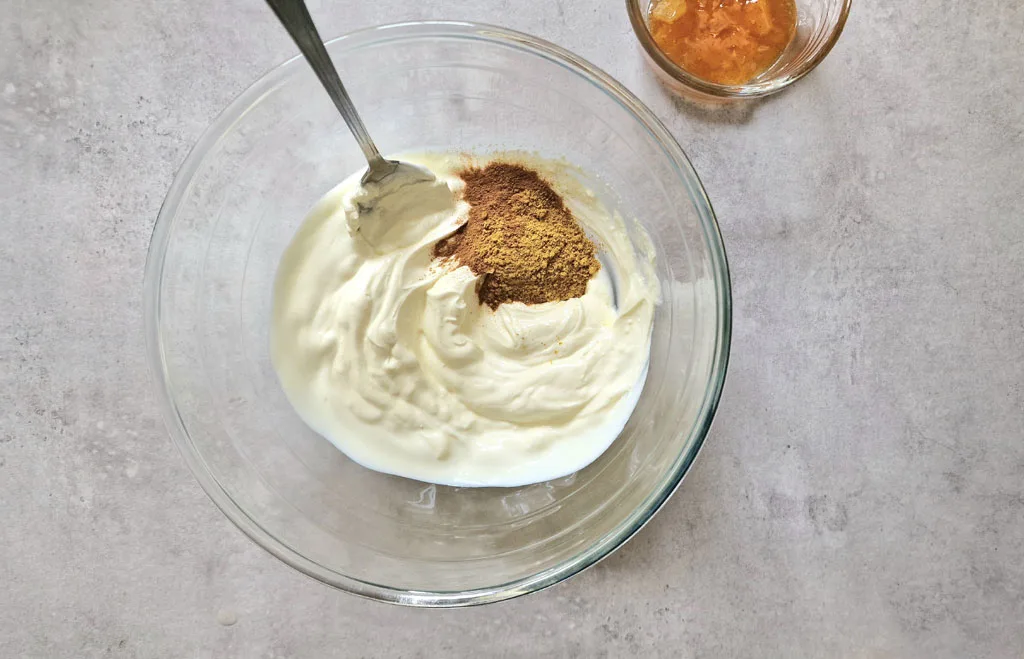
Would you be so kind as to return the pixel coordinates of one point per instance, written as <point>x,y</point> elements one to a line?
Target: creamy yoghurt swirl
<point>388,353</point>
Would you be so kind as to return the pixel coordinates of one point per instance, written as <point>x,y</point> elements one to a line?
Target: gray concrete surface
<point>862,491</point>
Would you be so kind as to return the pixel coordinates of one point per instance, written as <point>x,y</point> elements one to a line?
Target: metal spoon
<point>296,19</point>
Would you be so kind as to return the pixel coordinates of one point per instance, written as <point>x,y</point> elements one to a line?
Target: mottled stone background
<point>862,490</point>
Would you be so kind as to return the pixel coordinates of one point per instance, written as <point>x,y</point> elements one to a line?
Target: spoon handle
<point>296,19</point>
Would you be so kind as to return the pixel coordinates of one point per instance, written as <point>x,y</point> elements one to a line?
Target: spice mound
<point>520,238</point>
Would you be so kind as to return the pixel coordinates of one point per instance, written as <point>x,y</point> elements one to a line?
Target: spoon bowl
<point>238,200</point>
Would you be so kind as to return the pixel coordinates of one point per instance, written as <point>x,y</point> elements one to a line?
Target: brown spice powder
<point>521,238</point>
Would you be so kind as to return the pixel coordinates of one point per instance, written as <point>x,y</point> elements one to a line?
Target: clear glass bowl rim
<point>251,527</point>
<point>751,90</point>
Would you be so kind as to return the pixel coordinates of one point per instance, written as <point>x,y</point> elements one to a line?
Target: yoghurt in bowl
<point>389,352</point>
<point>234,208</point>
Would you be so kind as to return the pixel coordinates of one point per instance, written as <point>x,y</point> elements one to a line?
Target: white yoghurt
<point>389,354</point>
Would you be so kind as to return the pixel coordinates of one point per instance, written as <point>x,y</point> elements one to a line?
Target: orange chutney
<point>724,41</point>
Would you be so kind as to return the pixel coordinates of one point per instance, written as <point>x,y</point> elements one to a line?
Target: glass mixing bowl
<point>818,26</point>
<point>246,187</point>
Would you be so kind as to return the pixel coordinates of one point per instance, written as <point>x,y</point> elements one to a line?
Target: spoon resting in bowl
<point>382,177</point>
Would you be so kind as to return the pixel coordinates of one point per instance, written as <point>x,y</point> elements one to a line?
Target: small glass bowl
<point>819,24</point>
<point>239,198</point>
